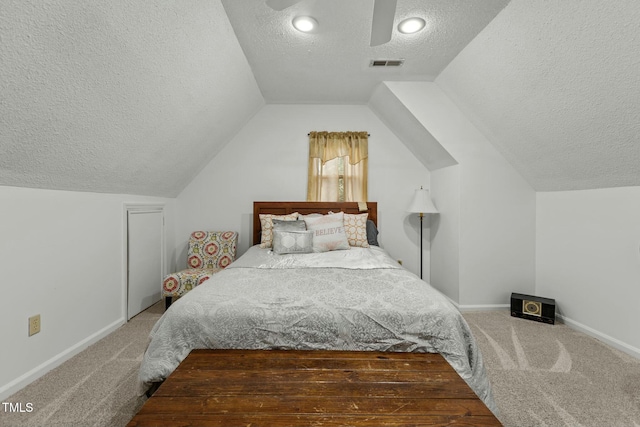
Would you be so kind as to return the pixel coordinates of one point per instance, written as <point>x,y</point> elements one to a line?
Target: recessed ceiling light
<point>411,25</point>
<point>306,24</point>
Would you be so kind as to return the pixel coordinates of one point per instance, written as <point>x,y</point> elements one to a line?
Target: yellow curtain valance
<point>330,145</point>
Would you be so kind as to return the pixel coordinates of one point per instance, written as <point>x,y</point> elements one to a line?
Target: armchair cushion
<point>179,283</point>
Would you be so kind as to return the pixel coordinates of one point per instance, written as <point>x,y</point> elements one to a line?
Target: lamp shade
<point>422,203</point>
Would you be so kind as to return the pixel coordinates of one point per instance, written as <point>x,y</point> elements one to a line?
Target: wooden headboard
<point>305,208</point>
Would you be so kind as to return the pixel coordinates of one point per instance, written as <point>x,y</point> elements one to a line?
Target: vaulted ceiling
<point>136,96</point>
<point>122,96</point>
<point>555,86</point>
<point>332,64</point>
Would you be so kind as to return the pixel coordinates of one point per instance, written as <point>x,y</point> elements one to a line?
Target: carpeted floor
<point>552,375</point>
<point>542,375</point>
<point>97,387</point>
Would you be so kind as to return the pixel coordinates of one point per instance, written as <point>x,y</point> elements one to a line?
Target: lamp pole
<point>421,217</point>
<point>422,204</point>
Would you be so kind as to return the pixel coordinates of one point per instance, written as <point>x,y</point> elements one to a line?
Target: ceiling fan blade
<point>384,13</point>
<point>281,4</point>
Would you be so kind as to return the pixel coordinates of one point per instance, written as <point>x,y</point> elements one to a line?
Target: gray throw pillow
<point>372,233</point>
<point>298,225</point>
<point>292,242</point>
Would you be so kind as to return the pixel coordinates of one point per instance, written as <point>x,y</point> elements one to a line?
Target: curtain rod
<point>310,134</point>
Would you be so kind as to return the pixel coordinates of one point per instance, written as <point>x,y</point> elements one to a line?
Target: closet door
<point>144,258</point>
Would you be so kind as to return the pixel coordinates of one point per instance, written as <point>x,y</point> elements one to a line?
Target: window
<point>338,166</point>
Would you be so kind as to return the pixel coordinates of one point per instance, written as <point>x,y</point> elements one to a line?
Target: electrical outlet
<point>34,324</point>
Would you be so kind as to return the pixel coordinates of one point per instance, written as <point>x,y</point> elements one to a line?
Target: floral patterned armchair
<point>208,253</point>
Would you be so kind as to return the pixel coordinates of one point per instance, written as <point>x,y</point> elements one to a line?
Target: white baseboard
<point>24,380</point>
<point>477,307</point>
<point>483,307</point>
<point>613,342</point>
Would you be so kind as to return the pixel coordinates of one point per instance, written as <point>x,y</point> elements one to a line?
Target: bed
<point>356,300</point>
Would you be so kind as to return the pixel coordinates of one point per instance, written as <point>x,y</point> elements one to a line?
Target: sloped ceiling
<point>118,96</point>
<point>401,121</point>
<point>555,86</point>
<point>331,65</point>
<point>136,96</point>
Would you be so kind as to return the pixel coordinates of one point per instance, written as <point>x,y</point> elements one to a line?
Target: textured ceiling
<point>118,96</point>
<point>136,96</point>
<point>555,86</point>
<point>331,66</point>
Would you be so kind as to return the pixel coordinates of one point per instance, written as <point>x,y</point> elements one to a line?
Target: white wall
<point>61,257</point>
<point>497,206</point>
<point>445,231</point>
<point>588,259</point>
<point>267,160</point>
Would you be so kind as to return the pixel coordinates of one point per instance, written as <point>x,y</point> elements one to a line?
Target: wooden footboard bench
<point>311,388</point>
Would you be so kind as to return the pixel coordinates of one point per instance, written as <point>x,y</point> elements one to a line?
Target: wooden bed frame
<point>305,208</point>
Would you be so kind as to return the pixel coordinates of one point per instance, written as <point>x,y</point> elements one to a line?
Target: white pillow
<point>311,215</point>
<point>328,232</point>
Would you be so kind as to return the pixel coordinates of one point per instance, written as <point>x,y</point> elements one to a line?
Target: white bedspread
<point>357,299</point>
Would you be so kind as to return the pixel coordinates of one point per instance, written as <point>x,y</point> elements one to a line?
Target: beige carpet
<point>97,387</point>
<point>552,376</point>
<point>542,375</point>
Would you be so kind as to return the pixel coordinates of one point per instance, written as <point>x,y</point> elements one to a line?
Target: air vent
<point>386,62</point>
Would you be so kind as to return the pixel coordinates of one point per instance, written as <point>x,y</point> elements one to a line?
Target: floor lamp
<point>422,204</point>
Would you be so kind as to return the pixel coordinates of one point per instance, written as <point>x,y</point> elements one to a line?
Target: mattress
<point>358,299</point>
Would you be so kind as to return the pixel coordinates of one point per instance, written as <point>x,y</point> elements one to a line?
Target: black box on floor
<point>533,308</point>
